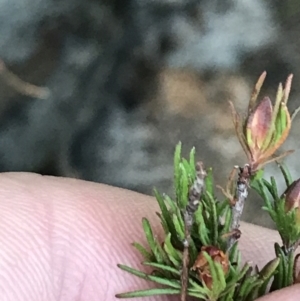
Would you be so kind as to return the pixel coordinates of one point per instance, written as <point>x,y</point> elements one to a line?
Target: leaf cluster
<point>212,223</point>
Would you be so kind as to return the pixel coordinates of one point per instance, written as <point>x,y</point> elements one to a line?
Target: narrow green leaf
<point>147,255</point>
<point>160,280</point>
<point>254,185</point>
<point>217,274</point>
<point>249,137</point>
<point>209,181</point>
<point>149,292</point>
<point>274,188</point>
<point>178,227</point>
<point>258,175</point>
<point>279,277</point>
<point>170,202</point>
<point>246,287</point>
<point>133,271</point>
<point>163,222</point>
<point>265,275</point>
<point>279,96</point>
<point>228,221</point>
<point>254,292</point>
<point>265,197</point>
<point>243,271</point>
<point>269,187</point>
<point>203,231</point>
<point>213,218</point>
<point>149,234</point>
<point>177,160</point>
<point>189,172</point>
<point>198,295</point>
<point>269,269</point>
<point>153,244</point>
<point>286,174</point>
<point>280,124</point>
<point>165,281</point>
<point>222,206</point>
<point>179,217</point>
<point>174,256</point>
<point>221,276</point>
<point>233,253</point>
<point>184,187</point>
<point>228,293</point>
<point>264,287</point>
<point>162,267</point>
<point>290,269</point>
<point>197,290</point>
<point>278,281</point>
<point>192,162</point>
<point>196,287</point>
<point>166,215</point>
<point>193,251</point>
<point>283,117</point>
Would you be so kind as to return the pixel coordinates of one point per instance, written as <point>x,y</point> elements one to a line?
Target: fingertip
<point>291,293</point>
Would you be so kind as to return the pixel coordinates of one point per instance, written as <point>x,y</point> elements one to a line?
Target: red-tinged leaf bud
<point>201,265</point>
<point>265,127</point>
<point>292,196</point>
<point>258,126</point>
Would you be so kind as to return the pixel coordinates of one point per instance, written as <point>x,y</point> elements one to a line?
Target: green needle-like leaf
<point>278,282</point>
<point>264,195</point>
<point>163,222</point>
<point>164,281</point>
<point>214,219</point>
<point>203,231</point>
<point>286,174</point>
<point>177,160</point>
<point>167,217</point>
<point>274,188</point>
<point>178,227</point>
<point>209,182</point>
<point>233,252</point>
<point>184,187</point>
<point>269,187</point>
<point>174,255</point>
<point>133,271</point>
<point>228,219</point>
<point>290,269</point>
<point>269,269</point>
<point>149,233</point>
<point>153,244</point>
<point>147,255</point>
<point>198,295</point>
<point>192,162</point>
<point>170,203</point>
<point>217,274</point>
<point>163,267</point>
<point>149,292</point>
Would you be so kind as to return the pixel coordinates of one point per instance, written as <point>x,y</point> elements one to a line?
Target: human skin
<point>61,240</point>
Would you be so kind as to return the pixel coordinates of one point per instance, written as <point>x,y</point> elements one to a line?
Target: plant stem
<point>239,201</point>
<point>188,216</point>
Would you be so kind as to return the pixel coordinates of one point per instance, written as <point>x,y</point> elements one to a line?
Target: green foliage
<point>212,221</point>
<point>199,254</point>
<point>286,222</point>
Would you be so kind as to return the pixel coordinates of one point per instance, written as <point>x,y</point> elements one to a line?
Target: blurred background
<point>127,79</point>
